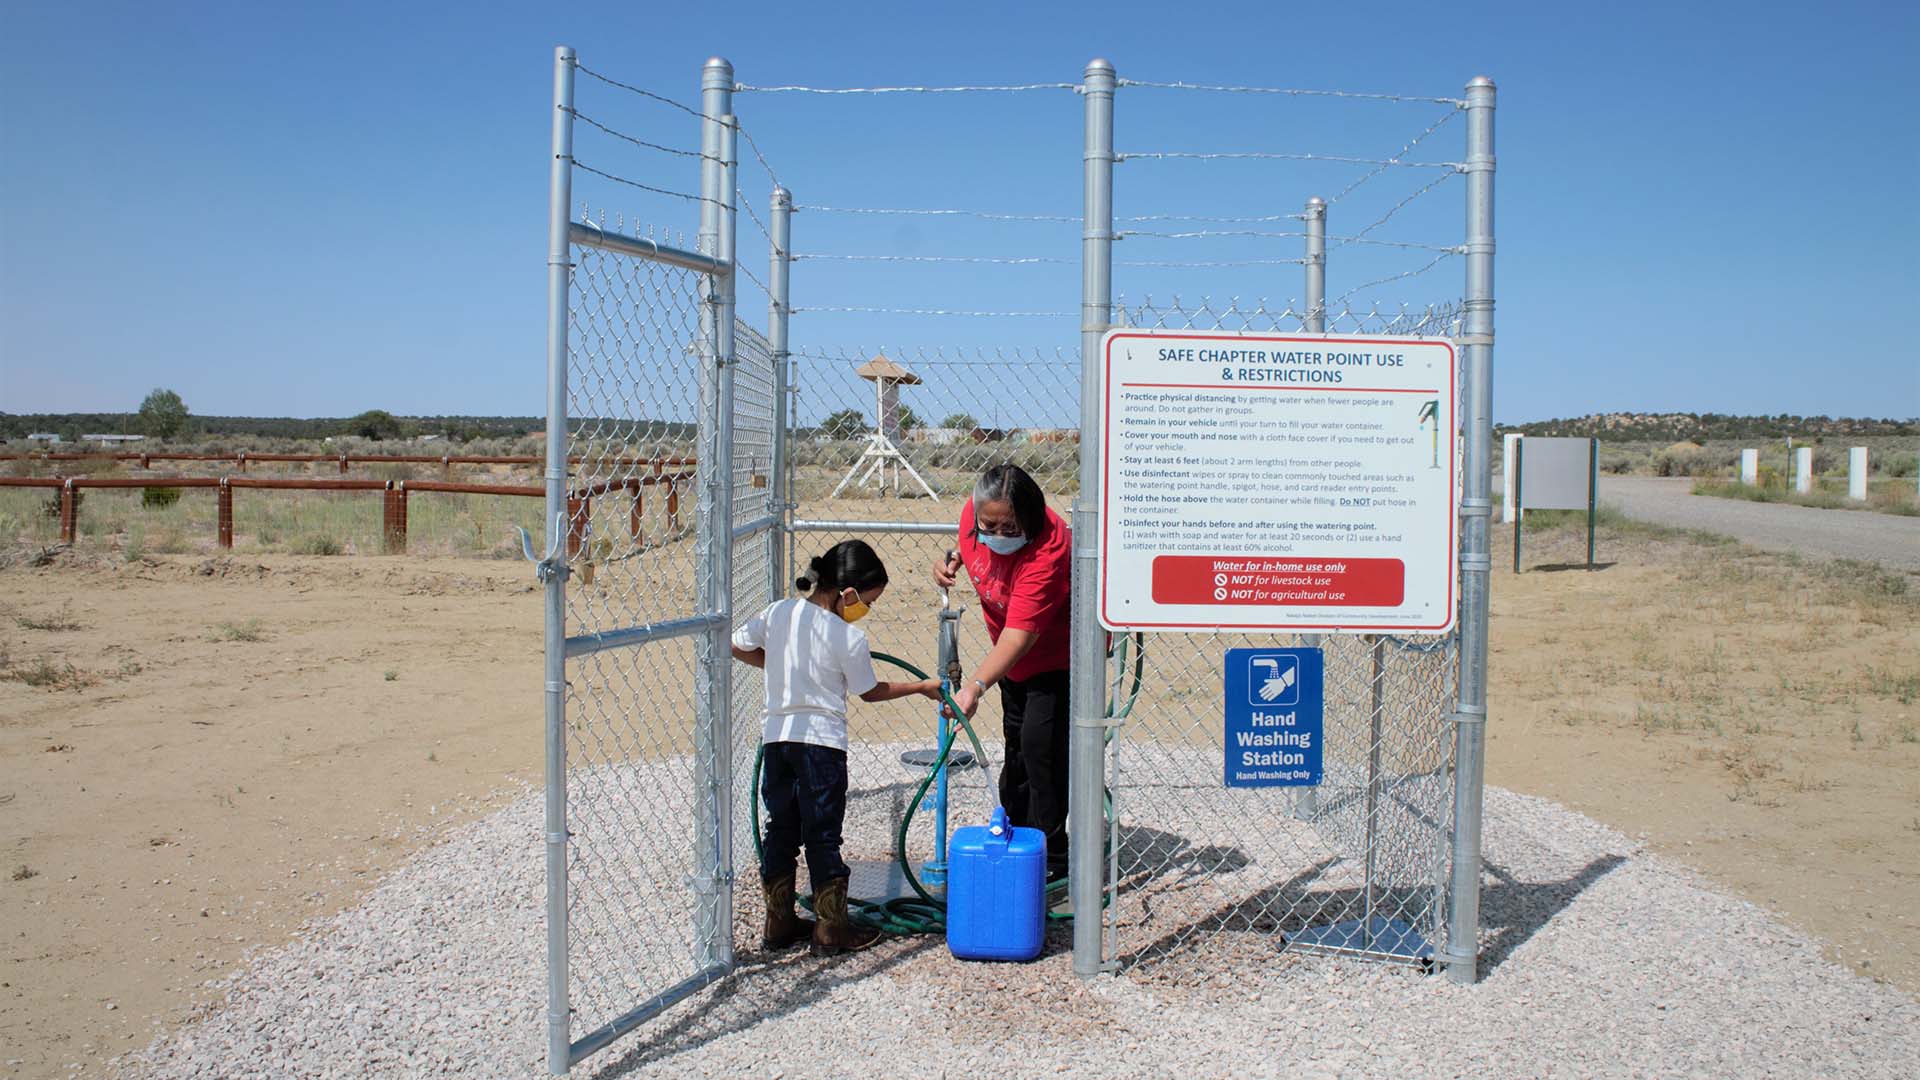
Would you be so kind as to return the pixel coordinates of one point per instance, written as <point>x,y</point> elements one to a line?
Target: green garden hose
<point>904,916</point>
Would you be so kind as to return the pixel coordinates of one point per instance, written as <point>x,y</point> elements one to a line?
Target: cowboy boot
<point>833,933</point>
<point>784,928</point>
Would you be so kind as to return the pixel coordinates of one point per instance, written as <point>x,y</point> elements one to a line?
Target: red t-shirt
<point>1030,589</point>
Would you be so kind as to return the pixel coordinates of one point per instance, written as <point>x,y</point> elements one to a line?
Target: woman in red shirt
<point>1019,555</point>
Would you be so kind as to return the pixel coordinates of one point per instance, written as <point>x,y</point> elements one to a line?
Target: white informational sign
<point>1555,474</point>
<point>1269,482</point>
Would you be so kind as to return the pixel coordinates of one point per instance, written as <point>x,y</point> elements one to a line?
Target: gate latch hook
<point>553,563</point>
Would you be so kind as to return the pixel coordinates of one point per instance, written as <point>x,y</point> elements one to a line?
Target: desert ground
<point>200,752</point>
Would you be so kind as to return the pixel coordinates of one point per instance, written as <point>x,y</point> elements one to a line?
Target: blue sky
<point>314,210</point>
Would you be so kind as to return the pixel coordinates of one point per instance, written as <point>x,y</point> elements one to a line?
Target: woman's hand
<point>930,688</point>
<point>968,699</point>
<point>947,571</point>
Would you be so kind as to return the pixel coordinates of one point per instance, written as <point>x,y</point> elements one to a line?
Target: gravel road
<point>1888,539</point>
<point>1600,960</point>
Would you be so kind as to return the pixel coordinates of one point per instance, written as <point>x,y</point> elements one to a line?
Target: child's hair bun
<point>805,582</point>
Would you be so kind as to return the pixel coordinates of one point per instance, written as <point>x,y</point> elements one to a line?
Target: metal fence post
<point>780,226</point>
<point>1476,562</point>
<point>559,274</point>
<point>1089,659</point>
<point>1316,265</point>
<point>1306,801</point>
<point>723,654</point>
<point>713,530</point>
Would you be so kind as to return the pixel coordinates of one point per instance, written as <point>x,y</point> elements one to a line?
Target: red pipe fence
<point>242,457</point>
<point>394,495</point>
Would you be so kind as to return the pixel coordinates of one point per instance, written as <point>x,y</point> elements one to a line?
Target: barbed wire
<point>936,356</point>
<point>1397,207</point>
<point>688,109</point>
<point>755,147</point>
<point>664,100</point>
<point>1201,234</point>
<point>1008,260</point>
<point>933,212</point>
<point>1403,151</point>
<point>741,200</point>
<point>584,167</point>
<point>578,115</point>
<point>1437,260</point>
<point>1210,265</point>
<point>1264,218</point>
<point>1457,103</point>
<point>742,88</point>
<point>1255,155</point>
<point>938,311</point>
<point>740,265</point>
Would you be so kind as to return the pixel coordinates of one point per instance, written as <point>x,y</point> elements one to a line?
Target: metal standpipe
<point>934,871</point>
<point>713,930</point>
<point>553,566</point>
<point>1476,563</point>
<point>1087,750</point>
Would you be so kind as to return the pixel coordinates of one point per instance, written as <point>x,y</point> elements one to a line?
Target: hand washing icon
<point>1273,680</point>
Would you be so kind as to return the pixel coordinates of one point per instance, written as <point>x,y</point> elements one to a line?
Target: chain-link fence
<point>1197,868</point>
<point>1356,864</point>
<point>712,458</point>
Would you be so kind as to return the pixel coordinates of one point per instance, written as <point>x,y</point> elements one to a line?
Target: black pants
<point>1033,784</point>
<point>805,788</point>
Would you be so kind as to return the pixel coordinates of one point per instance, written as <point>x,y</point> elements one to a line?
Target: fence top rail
<point>587,234</point>
<point>470,489</point>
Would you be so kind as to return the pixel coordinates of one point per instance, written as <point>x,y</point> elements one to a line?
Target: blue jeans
<point>805,789</point>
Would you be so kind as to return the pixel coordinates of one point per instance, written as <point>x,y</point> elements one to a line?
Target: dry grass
<point>59,622</point>
<point>1889,496</point>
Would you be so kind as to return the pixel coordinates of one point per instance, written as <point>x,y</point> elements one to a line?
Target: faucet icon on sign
<point>1430,410</point>
<point>1272,678</point>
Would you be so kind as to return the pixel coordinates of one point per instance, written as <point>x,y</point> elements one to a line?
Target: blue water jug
<point>996,891</point>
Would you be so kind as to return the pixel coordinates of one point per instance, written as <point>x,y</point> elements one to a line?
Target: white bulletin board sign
<point>1277,482</point>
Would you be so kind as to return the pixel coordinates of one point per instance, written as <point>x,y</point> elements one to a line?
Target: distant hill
<point>1698,427</point>
<point>71,426</point>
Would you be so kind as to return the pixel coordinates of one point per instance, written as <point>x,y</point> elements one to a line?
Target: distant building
<point>43,437</point>
<point>112,438</point>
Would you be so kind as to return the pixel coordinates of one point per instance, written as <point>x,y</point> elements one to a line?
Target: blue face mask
<point>1004,545</point>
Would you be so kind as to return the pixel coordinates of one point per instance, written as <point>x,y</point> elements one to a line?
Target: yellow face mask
<point>855,609</point>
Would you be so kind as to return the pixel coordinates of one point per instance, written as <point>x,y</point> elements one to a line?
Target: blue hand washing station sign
<point>1275,704</point>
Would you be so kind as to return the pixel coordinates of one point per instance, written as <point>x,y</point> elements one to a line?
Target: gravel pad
<point>1598,960</point>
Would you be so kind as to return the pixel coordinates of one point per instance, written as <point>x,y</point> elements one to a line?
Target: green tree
<point>375,424</point>
<point>908,418</point>
<point>163,415</point>
<point>845,424</point>
<point>960,422</point>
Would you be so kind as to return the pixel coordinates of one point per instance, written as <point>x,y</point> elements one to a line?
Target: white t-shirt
<point>814,660</point>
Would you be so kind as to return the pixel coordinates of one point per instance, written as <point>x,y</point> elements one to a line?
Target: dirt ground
<point>197,755</point>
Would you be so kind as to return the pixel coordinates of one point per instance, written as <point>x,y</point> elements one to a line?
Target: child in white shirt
<point>814,657</point>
